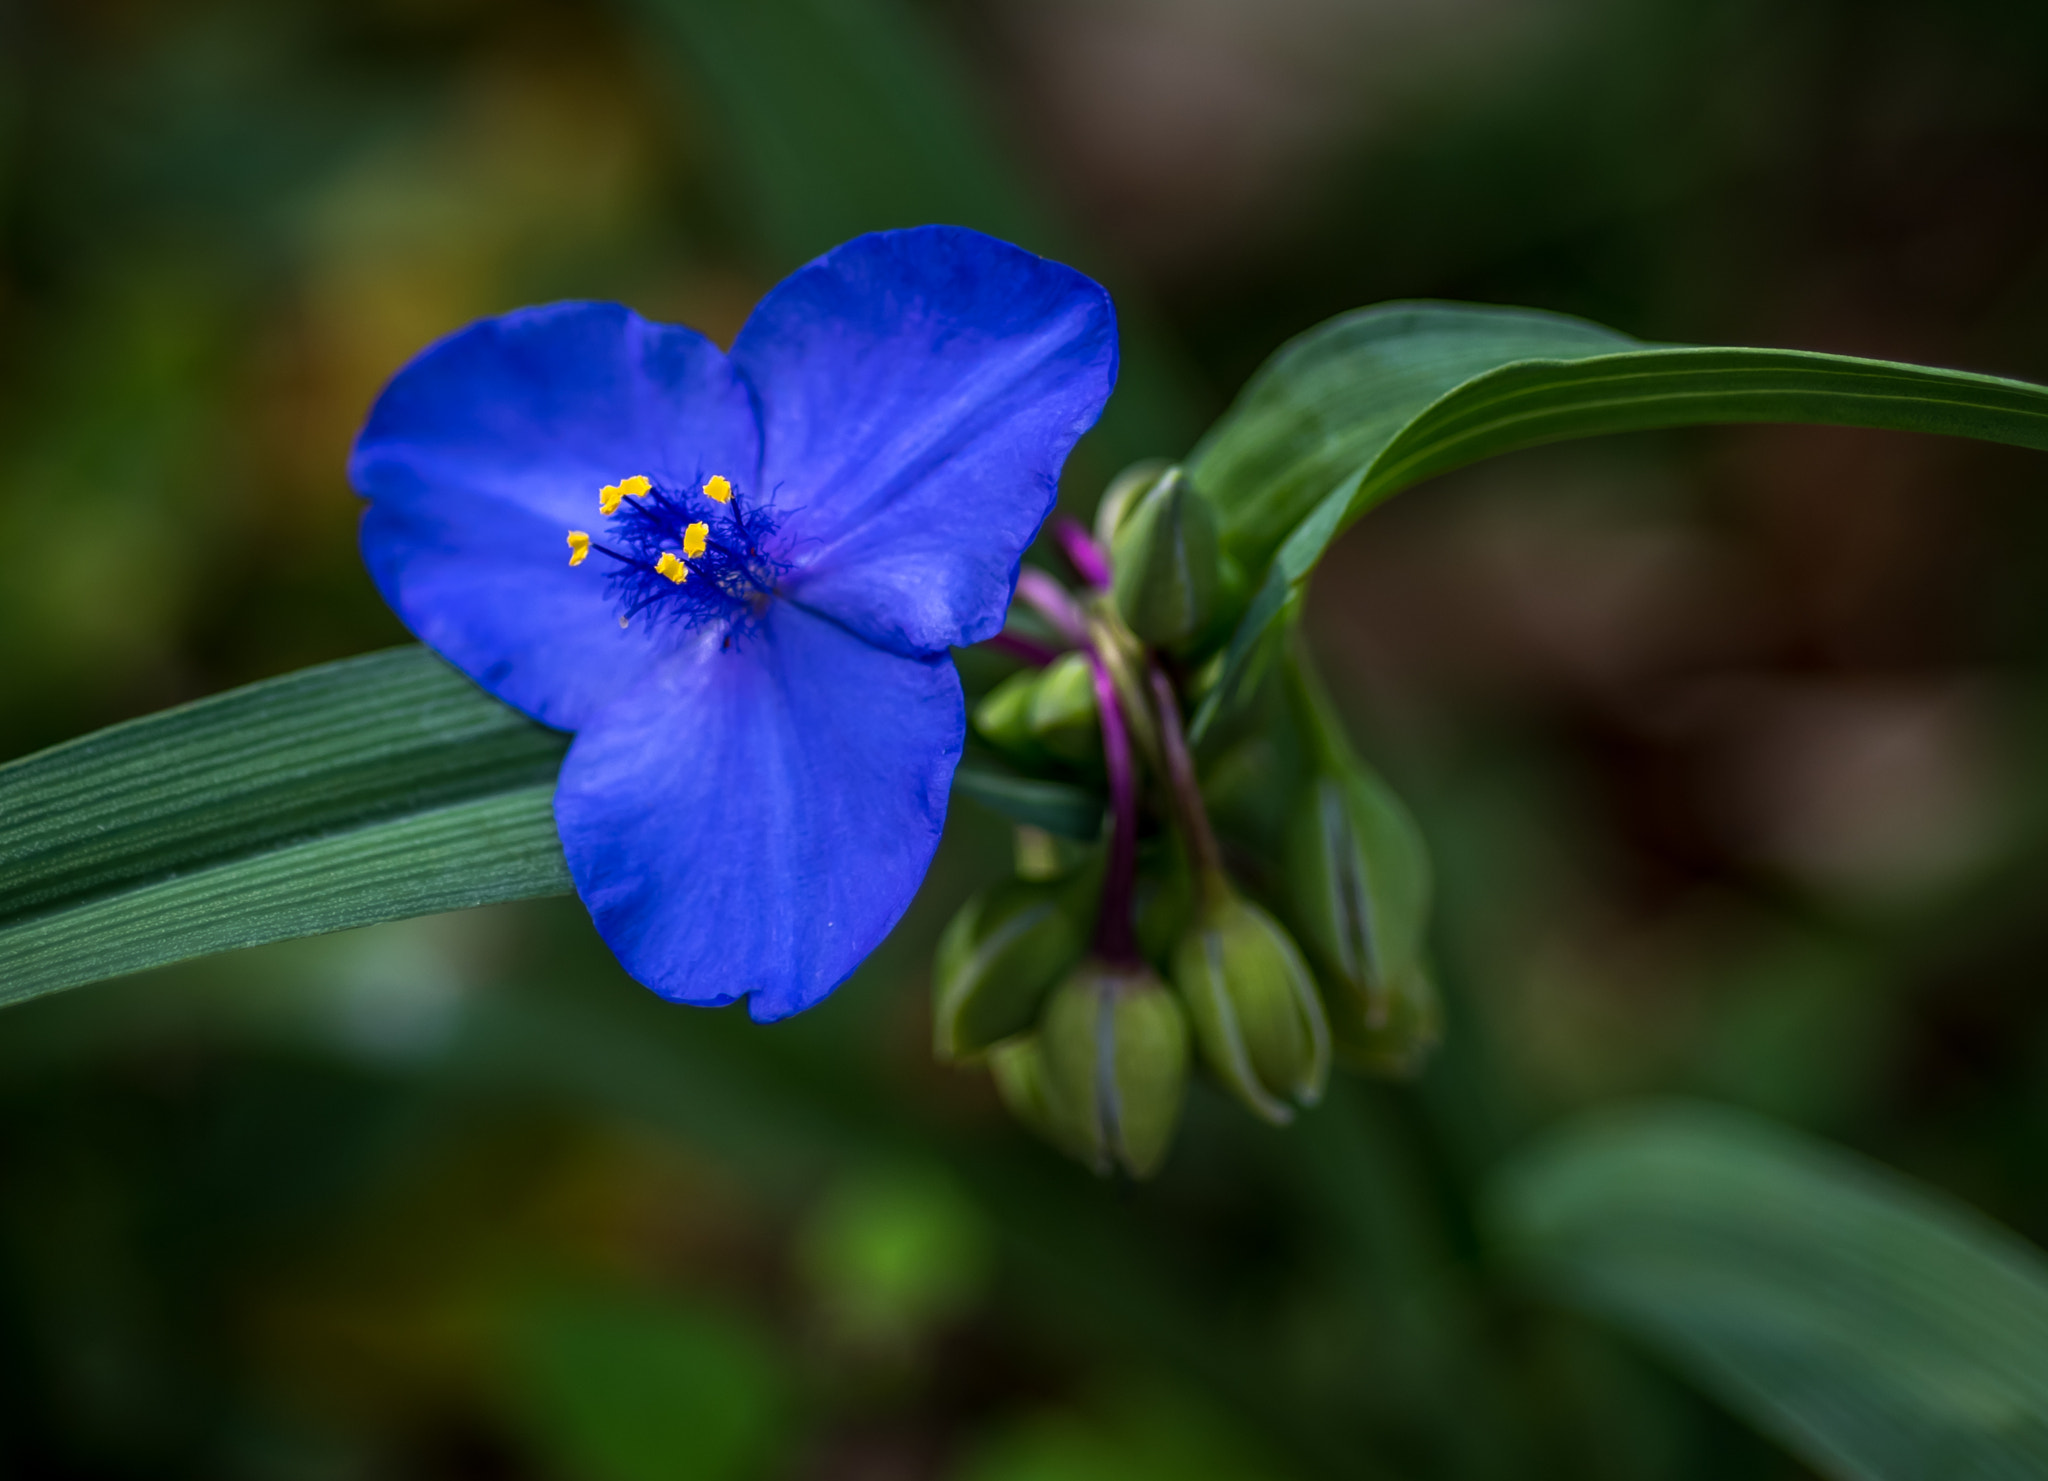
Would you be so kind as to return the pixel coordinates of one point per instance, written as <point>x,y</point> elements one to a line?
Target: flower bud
<point>1063,719</point>
<point>1167,567</point>
<point>1106,1074</point>
<point>1003,717</point>
<point>1122,496</point>
<point>1001,955</point>
<point>1018,1068</point>
<point>1255,1009</point>
<point>1396,1047</point>
<point>1044,713</point>
<point>1357,878</point>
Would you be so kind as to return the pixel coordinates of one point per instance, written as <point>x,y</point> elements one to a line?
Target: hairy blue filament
<point>730,582</point>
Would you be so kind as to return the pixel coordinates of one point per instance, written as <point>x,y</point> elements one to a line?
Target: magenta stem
<point>1027,650</point>
<point>1116,939</point>
<point>1087,557</point>
<point>1052,601</point>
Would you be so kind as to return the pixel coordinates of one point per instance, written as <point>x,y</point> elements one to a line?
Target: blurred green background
<point>1727,742</point>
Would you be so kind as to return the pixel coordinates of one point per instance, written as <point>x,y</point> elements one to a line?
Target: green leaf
<point>1375,401</point>
<point>1877,1328</point>
<point>366,790</point>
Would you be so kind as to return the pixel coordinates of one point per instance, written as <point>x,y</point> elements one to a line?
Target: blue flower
<point>767,557</point>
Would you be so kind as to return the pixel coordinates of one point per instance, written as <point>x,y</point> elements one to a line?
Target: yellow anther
<point>718,489</point>
<point>693,539</point>
<point>613,494</point>
<point>579,547</point>
<point>672,568</point>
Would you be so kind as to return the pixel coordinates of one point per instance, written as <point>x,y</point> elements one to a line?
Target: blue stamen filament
<point>693,556</point>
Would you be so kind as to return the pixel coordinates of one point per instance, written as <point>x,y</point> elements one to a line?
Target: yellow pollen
<point>693,539</point>
<point>613,494</point>
<point>672,568</point>
<point>719,489</point>
<point>579,547</point>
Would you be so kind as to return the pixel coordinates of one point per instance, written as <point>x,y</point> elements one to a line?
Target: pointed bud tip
<point>1122,496</point>
<point>1399,1045</point>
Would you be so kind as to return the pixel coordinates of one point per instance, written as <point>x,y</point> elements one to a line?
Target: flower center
<point>693,556</point>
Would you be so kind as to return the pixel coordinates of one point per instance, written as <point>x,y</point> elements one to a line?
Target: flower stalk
<point>1121,654</point>
<point>1250,996</point>
<point>1024,649</point>
<point>1043,594</point>
<point>1116,939</point>
<point>1200,838</point>
<point>1086,557</point>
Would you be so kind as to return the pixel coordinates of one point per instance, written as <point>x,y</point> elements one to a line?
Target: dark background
<point>1726,742</point>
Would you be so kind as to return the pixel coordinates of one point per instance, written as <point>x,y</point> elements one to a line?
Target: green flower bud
<point>1018,1068</point>
<point>1063,719</point>
<point>1167,567</point>
<point>1357,879</point>
<point>1003,717</point>
<point>1396,1047</point>
<point>1122,496</point>
<point>1255,1009</point>
<point>1044,713</point>
<point>1106,1074</point>
<point>1001,955</point>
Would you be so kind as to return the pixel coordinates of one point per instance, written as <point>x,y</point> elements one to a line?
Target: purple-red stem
<point>1180,777</point>
<point>1052,601</point>
<point>1086,556</point>
<point>1027,650</point>
<point>1116,940</point>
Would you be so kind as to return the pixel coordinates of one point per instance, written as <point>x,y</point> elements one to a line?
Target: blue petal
<point>919,391</point>
<point>753,820</point>
<point>491,444</point>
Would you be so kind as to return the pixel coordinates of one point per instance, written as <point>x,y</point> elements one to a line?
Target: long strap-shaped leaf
<point>1370,403</point>
<point>1880,1330</point>
<point>361,791</point>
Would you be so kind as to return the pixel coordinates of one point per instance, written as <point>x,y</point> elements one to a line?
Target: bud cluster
<point>1260,905</point>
